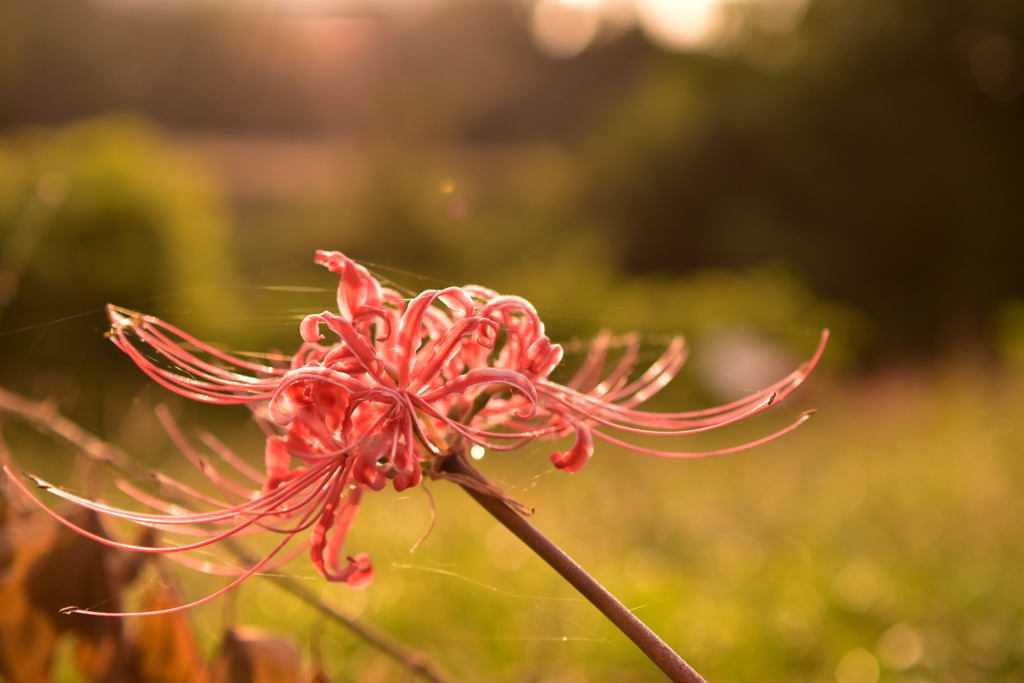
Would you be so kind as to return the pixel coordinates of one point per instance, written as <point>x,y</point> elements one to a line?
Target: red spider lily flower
<point>399,384</point>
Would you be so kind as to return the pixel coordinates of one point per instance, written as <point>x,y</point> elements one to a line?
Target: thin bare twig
<point>413,661</point>
<point>45,417</point>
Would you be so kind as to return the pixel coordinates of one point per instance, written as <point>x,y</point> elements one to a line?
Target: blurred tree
<point>876,150</point>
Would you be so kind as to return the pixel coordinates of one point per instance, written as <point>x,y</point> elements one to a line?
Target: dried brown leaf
<point>45,567</point>
<point>252,656</point>
<point>166,646</point>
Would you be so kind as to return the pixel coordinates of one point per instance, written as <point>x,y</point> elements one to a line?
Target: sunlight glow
<point>564,28</point>
<point>477,452</point>
<point>681,24</point>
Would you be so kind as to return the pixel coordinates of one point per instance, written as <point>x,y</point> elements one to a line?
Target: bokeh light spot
<point>739,555</point>
<point>858,666</point>
<point>563,28</point>
<point>900,647</point>
<point>681,24</point>
<point>857,586</point>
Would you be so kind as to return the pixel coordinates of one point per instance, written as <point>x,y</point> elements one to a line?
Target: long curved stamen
<point>595,416</point>
<point>723,451</point>
<point>202,601</point>
<point>252,508</point>
<point>232,458</point>
<point>208,567</point>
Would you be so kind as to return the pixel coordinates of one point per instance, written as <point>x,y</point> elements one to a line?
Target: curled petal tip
<point>575,458</point>
<point>359,572</point>
<point>329,259</point>
<point>310,329</point>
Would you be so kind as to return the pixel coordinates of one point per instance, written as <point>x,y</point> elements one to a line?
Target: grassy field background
<point>879,542</point>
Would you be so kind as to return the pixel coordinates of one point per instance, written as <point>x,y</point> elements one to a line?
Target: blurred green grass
<point>881,541</point>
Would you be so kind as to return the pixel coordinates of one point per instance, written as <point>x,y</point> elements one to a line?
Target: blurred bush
<point>1010,325</point>
<point>105,210</point>
<point>96,212</point>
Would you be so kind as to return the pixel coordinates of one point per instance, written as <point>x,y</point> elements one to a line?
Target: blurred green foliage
<point>872,151</point>
<point>1011,331</point>
<point>104,210</point>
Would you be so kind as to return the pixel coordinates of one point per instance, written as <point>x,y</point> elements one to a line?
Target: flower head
<point>379,392</point>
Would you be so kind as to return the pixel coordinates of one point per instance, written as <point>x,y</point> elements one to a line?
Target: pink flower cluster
<point>399,384</point>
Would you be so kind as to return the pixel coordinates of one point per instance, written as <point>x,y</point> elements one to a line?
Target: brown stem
<point>647,640</point>
<point>45,418</point>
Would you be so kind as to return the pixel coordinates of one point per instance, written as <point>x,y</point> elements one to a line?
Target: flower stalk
<point>666,659</point>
